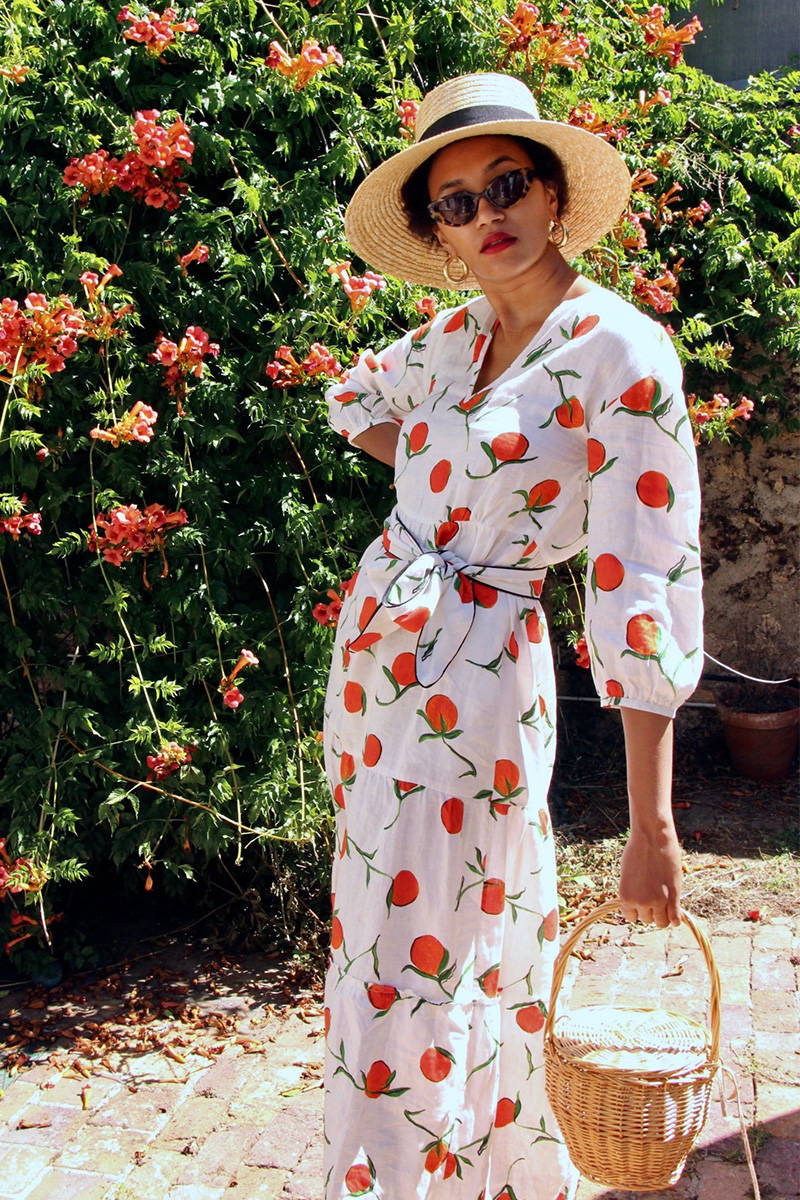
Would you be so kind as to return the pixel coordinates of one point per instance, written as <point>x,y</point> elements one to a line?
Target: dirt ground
<point>741,837</point>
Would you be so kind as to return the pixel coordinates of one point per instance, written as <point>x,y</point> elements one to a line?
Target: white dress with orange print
<point>440,723</point>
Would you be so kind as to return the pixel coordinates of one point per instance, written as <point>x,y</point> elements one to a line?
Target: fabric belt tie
<point>435,593</point>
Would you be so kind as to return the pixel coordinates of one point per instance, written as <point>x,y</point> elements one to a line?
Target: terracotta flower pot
<point>762,745</point>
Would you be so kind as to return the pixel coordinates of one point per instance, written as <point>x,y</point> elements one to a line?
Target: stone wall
<point>751,502</point>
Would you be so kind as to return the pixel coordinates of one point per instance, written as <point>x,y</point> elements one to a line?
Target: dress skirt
<point>444,934</point>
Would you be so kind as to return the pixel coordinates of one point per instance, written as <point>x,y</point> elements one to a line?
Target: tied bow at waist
<point>435,593</point>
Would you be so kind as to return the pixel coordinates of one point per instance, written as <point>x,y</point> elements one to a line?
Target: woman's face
<point>497,244</point>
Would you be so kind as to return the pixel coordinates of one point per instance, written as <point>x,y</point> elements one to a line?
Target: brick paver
<point>247,1126</point>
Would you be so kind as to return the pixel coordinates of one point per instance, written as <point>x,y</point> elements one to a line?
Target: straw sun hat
<point>598,181</point>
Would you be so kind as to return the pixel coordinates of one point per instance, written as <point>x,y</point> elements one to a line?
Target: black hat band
<point>475,114</point>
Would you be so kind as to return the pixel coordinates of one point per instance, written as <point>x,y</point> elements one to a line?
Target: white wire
<point>741,674</point>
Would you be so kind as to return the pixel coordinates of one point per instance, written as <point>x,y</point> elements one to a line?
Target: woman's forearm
<point>648,752</point>
<point>650,876</point>
<point>379,440</point>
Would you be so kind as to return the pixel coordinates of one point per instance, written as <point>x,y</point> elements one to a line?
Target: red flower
<point>582,653</point>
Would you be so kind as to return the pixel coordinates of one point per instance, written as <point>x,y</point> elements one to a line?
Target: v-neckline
<point>490,323</point>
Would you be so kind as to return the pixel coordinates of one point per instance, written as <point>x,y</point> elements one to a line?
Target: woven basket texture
<point>630,1087</point>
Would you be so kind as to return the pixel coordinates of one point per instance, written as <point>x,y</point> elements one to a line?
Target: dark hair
<point>415,196</point>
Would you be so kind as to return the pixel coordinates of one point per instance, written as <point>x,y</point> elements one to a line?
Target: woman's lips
<point>497,242</point>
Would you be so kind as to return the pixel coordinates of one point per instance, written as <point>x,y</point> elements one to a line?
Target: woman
<point>544,416</point>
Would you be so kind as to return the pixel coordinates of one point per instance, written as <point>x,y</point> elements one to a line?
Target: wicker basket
<point>630,1087</point>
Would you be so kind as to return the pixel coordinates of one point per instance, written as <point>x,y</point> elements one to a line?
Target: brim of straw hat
<point>376,224</point>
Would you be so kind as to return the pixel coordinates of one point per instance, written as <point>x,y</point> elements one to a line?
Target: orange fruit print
<point>608,572</point>
<point>570,414</point>
<point>435,1065</point>
<point>642,634</point>
<point>440,475</point>
<point>446,532</point>
<point>493,897</point>
<point>585,326</point>
<point>418,437</point>
<point>595,455</point>
<point>655,490</point>
<point>372,750</point>
<point>354,698</point>
<point>381,995</point>
<point>507,447</point>
<point>378,1077</point>
<point>530,1018</point>
<point>505,1112</point>
<point>490,982</point>
<point>506,776</point>
<point>543,493</point>
<point>414,620</point>
<point>550,926</point>
<point>639,396</point>
<point>358,1179</point>
<point>337,933</point>
<point>452,813</point>
<point>427,954</point>
<point>368,609</point>
<point>405,889</point>
<point>441,713</point>
<point>404,669</point>
<point>457,320</point>
<point>615,689</point>
<point>435,1157</point>
<point>533,627</point>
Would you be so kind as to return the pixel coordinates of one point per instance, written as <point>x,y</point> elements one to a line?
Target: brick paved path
<point>248,1125</point>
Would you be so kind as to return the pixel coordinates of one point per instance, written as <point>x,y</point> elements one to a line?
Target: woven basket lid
<point>635,1039</point>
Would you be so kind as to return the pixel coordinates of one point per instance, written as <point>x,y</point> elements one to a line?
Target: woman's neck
<point>523,306</point>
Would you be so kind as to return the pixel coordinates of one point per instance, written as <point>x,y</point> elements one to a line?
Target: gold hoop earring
<point>461,270</point>
<point>561,234</point>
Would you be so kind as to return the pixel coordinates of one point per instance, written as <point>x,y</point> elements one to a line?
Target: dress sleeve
<point>380,388</point>
<point>643,586</point>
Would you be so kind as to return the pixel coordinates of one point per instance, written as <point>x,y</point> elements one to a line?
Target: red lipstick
<point>496,242</point>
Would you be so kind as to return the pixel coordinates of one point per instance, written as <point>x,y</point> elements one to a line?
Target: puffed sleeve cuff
<point>380,388</point>
<point>641,705</point>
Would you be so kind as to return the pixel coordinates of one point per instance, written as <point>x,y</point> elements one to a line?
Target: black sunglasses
<point>459,208</point>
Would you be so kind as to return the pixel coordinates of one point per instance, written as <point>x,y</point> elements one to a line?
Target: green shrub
<point>105,664</point>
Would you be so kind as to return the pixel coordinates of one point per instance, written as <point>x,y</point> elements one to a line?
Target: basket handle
<point>604,910</point>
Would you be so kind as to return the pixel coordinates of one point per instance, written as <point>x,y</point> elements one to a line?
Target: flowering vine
<point>661,39</point>
<point>127,530</point>
<point>42,332</point>
<point>19,522</point>
<point>151,173</point>
<point>546,45</point>
<point>285,371</point>
<point>357,288</point>
<point>716,415</point>
<point>183,359</point>
<point>303,66</point>
<point>155,31</point>
<point>169,759</point>
<point>232,697</point>
<point>198,253</point>
<point>136,426</point>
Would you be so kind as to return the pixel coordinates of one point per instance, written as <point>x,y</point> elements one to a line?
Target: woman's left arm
<point>650,880</point>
